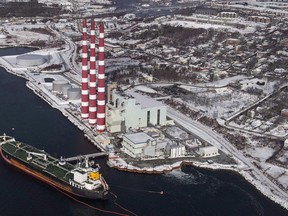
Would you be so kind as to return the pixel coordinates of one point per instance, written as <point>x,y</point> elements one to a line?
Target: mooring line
<point>139,190</point>
<point>90,206</point>
<point>120,206</point>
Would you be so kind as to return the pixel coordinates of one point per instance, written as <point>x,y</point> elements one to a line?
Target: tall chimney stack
<point>101,83</point>
<point>92,85</point>
<point>84,86</point>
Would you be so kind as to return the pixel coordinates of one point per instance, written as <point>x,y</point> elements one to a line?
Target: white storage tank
<point>30,60</point>
<point>58,85</point>
<point>74,93</point>
<point>65,89</point>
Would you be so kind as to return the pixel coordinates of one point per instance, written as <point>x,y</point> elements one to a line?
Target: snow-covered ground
<point>218,101</point>
<point>20,33</point>
<point>202,21</point>
<point>246,166</point>
<point>145,89</point>
<point>255,153</point>
<point>248,169</point>
<point>51,56</point>
<point>222,83</point>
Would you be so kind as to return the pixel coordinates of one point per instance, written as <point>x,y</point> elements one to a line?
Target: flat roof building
<point>134,144</point>
<point>208,151</point>
<point>142,145</point>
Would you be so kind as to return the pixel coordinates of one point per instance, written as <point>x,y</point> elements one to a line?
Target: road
<point>201,131</point>
<point>217,140</point>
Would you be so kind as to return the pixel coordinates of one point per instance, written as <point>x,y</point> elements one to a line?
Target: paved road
<point>216,139</point>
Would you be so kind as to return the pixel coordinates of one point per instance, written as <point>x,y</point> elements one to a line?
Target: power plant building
<point>132,110</point>
<point>142,145</point>
<point>134,144</point>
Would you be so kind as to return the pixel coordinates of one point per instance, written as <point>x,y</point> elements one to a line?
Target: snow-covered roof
<point>209,148</point>
<point>145,102</point>
<point>138,138</point>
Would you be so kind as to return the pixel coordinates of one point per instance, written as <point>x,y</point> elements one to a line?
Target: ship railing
<point>105,185</point>
<point>75,184</point>
<point>5,140</point>
<point>39,163</point>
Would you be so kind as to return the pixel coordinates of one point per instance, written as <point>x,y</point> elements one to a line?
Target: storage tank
<point>58,85</point>
<point>65,89</point>
<point>74,93</point>
<point>30,60</point>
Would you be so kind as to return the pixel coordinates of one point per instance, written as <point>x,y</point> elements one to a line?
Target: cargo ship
<point>81,180</point>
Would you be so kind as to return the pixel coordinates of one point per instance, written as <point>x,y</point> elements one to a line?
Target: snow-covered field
<point>23,33</point>
<point>209,23</point>
<point>217,100</point>
<point>145,89</point>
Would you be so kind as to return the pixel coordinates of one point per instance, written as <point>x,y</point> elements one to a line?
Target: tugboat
<point>81,180</point>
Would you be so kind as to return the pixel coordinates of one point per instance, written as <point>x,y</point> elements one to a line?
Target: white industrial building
<point>131,110</point>
<point>134,144</point>
<point>208,151</point>
<point>143,146</point>
<point>177,151</point>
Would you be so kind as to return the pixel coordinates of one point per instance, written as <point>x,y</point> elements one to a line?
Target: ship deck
<point>50,165</point>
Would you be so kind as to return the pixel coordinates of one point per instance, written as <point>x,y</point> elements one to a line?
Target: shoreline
<point>245,174</point>
<point>216,167</point>
<point>158,169</point>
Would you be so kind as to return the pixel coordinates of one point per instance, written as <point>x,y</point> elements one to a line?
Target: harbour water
<point>195,192</point>
<point>140,10</point>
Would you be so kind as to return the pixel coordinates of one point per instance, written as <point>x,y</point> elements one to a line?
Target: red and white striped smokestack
<point>101,83</point>
<point>84,86</point>
<point>92,86</point>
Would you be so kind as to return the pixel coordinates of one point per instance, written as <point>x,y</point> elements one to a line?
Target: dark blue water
<point>135,6</point>
<point>190,192</point>
<point>127,4</point>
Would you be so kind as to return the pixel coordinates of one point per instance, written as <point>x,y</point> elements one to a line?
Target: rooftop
<point>138,138</point>
<point>145,102</point>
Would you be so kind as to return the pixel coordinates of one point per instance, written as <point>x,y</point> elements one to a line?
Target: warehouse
<point>208,151</point>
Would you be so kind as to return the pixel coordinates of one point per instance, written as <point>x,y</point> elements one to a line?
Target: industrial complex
<point>201,86</point>
<point>141,122</point>
<point>136,118</point>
